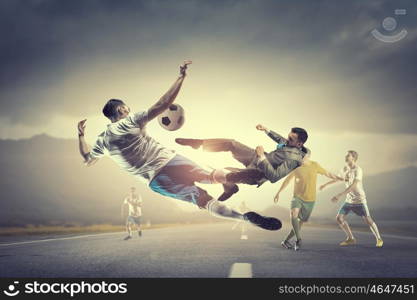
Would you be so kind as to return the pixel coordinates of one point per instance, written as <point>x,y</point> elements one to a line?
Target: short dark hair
<point>301,133</point>
<point>354,154</point>
<point>110,109</point>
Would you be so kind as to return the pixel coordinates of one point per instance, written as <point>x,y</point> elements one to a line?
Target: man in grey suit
<point>260,166</point>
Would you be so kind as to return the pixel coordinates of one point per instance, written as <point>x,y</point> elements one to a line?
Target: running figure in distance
<point>133,202</point>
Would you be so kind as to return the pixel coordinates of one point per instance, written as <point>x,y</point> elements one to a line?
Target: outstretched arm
<point>83,146</point>
<point>273,135</point>
<point>168,98</point>
<point>322,187</point>
<point>333,176</point>
<point>346,191</point>
<point>283,186</point>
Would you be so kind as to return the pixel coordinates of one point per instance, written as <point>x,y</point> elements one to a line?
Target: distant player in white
<point>127,142</point>
<point>133,202</point>
<point>355,200</point>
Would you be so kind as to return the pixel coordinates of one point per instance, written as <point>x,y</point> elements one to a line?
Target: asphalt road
<point>208,251</point>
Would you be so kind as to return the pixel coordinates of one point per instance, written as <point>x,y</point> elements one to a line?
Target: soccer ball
<point>173,118</point>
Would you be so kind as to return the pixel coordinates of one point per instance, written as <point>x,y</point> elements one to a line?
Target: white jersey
<point>134,201</point>
<point>127,143</point>
<point>357,195</point>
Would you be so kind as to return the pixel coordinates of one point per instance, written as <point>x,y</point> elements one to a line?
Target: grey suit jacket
<point>280,162</point>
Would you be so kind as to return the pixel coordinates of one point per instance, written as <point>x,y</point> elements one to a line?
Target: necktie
<point>281,145</point>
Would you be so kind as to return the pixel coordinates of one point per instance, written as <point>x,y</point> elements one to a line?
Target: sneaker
<point>286,245</point>
<point>194,143</point>
<point>379,243</point>
<point>127,238</point>
<point>229,190</point>
<point>140,233</point>
<point>267,223</point>
<point>348,242</point>
<point>297,245</point>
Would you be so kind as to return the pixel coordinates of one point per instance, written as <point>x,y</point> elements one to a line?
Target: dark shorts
<point>359,209</point>
<point>177,178</point>
<point>134,220</point>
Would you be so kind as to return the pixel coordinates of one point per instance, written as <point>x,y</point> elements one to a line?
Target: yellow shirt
<point>305,179</point>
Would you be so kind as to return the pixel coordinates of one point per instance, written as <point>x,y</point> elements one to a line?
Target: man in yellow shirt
<point>304,197</point>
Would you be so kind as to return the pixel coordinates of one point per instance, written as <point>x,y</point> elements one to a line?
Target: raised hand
<point>183,67</point>
<point>81,127</point>
<point>276,198</point>
<point>260,151</point>
<point>261,127</point>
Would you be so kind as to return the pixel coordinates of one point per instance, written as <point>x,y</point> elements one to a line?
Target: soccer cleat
<point>229,190</point>
<point>267,223</point>
<point>286,244</point>
<point>379,243</point>
<point>195,143</point>
<point>127,238</point>
<point>348,242</point>
<point>297,245</point>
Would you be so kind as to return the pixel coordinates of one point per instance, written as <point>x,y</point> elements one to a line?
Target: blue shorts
<point>176,180</point>
<point>359,209</point>
<point>134,220</point>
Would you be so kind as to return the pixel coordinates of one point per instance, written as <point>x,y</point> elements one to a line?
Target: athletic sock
<point>296,227</point>
<point>220,210</point>
<point>375,231</point>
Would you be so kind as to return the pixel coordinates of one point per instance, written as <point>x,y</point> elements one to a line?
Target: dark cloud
<point>44,40</point>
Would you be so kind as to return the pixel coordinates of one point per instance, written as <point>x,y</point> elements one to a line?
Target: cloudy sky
<point>312,64</point>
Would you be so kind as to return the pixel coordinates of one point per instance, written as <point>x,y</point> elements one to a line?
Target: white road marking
<point>241,270</point>
<point>59,239</point>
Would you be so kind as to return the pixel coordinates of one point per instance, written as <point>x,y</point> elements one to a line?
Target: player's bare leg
<point>374,229</point>
<point>350,240</point>
<point>129,231</point>
<point>295,222</point>
<point>139,230</point>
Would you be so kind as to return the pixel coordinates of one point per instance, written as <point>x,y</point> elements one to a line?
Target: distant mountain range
<point>44,181</point>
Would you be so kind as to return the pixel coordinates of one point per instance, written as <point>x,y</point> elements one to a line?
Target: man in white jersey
<point>126,141</point>
<point>133,202</point>
<point>355,200</point>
